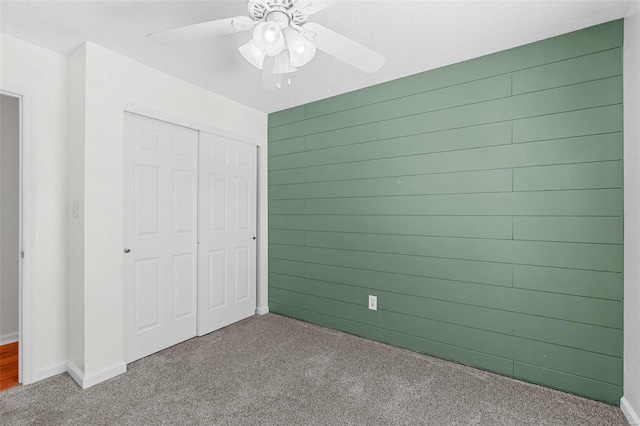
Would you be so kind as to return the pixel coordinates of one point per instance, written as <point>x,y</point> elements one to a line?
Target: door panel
<point>147,294</point>
<point>147,186</point>
<point>217,202</point>
<point>242,274</point>
<point>160,225</point>
<point>184,267</point>
<point>227,245</point>
<point>217,269</point>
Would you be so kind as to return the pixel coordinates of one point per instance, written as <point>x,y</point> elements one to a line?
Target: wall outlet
<point>373,303</point>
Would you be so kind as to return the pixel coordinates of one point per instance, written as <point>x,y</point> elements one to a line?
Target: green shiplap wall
<point>480,202</point>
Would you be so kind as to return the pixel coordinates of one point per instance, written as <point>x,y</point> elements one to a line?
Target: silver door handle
<point>127,250</point>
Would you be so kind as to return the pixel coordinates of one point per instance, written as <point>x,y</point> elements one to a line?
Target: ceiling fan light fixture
<point>268,37</point>
<point>280,27</point>
<point>252,54</point>
<point>301,50</point>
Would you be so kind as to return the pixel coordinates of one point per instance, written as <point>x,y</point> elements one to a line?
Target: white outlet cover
<point>373,303</point>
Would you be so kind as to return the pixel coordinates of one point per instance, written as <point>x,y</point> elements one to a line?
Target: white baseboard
<point>632,416</point>
<point>53,370</point>
<point>262,310</point>
<point>86,381</point>
<point>104,374</point>
<point>5,339</point>
<point>75,373</point>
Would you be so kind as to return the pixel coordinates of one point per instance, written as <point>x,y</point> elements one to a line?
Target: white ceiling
<point>414,36</point>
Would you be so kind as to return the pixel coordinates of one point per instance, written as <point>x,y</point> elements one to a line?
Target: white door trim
<point>26,96</point>
<point>148,112</point>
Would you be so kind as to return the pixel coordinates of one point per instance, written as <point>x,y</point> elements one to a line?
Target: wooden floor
<point>8,366</point>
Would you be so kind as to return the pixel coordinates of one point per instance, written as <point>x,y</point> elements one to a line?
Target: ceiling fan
<point>282,39</point>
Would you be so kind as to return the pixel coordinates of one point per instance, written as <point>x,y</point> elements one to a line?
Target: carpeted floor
<point>273,370</point>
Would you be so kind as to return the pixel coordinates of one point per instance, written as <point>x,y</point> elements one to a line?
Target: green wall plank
<point>284,236</point>
<point>567,382</point>
<point>606,257</point>
<point>448,97</point>
<point>481,202</point>
<point>597,202</point>
<point>591,94</point>
<point>446,183</point>
<point>438,310</point>
<point>606,174</point>
<point>587,364</point>
<point>605,313</point>
<point>288,267</point>
<point>599,37</point>
<point>570,71</point>
<point>606,230</point>
<point>604,285</point>
<point>446,226</point>
<point>446,140</point>
<point>286,206</point>
<point>487,296</point>
<point>591,338</point>
<point>561,151</point>
<point>589,121</point>
<point>570,333</point>
<point>286,116</point>
<point>582,122</point>
<point>499,274</point>
<point>289,146</point>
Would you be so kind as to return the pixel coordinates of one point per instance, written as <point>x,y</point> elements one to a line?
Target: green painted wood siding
<point>480,202</point>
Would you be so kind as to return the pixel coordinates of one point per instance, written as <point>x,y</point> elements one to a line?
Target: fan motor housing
<point>260,11</point>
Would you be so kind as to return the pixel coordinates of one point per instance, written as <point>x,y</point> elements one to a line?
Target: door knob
<point>254,238</point>
<point>127,250</point>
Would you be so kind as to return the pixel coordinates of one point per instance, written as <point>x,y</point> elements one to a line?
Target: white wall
<point>111,82</point>
<point>9,217</point>
<point>630,403</point>
<point>45,73</point>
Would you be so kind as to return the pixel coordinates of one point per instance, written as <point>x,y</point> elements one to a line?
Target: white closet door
<point>227,231</point>
<point>160,226</point>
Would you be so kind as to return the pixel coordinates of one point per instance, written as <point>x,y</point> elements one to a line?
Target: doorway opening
<point>10,235</point>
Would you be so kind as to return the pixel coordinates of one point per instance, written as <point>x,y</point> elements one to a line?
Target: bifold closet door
<point>227,232</point>
<point>160,235</point>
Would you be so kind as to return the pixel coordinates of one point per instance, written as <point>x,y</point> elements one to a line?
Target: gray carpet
<point>272,370</point>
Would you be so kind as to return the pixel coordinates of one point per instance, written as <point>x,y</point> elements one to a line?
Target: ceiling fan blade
<point>310,7</point>
<point>343,48</point>
<point>203,30</point>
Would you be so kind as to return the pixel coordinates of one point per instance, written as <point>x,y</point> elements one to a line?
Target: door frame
<point>26,99</point>
<point>157,115</point>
